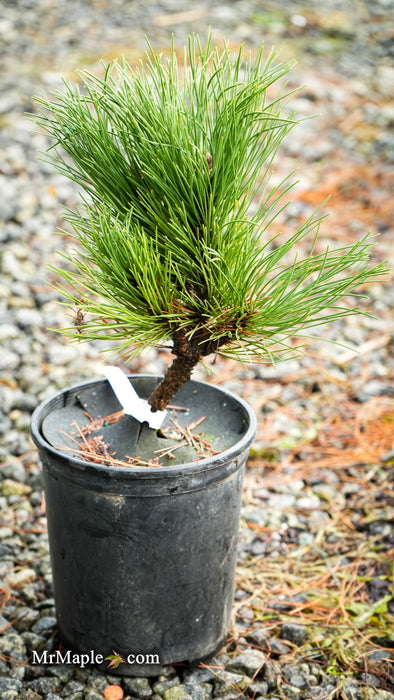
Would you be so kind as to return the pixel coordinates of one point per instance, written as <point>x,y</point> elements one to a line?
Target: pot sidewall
<point>144,560</point>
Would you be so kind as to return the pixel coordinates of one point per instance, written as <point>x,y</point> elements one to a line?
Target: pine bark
<point>188,352</point>
<point>177,374</point>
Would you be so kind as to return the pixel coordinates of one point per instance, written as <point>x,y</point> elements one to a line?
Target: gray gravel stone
<point>33,642</point>
<point>272,671</point>
<point>247,663</point>
<point>198,675</point>
<point>92,694</point>
<point>14,470</point>
<point>44,685</point>
<point>228,682</point>
<point>25,618</point>
<point>321,691</point>
<point>11,694</point>
<point>4,623</point>
<point>94,679</point>
<point>199,691</point>
<point>291,692</point>
<point>177,692</point>
<point>264,642</point>
<point>298,680</point>
<point>372,388</point>
<point>378,655</point>
<point>29,694</point>
<point>163,685</point>
<point>12,645</point>
<point>44,624</point>
<point>295,633</point>
<point>371,679</point>
<point>72,688</point>
<point>258,689</point>
<point>138,687</point>
<point>351,691</point>
<point>8,360</point>
<point>62,672</point>
<point>9,684</point>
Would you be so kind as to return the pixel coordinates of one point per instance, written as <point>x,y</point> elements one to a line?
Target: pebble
<point>323,690</point>
<point>263,641</point>
<point>259,689</point>
<point>44,624</point>
<point>138,687</point>
<point>9,684</point>
<point>289,691</point>
<point>297,680</point>
<point>247,663</point>
<point>292,632</point>
<point>44,685</point>
<point>162,685</point>
<point>229,683</point>
<point>65,674</point>
<point>350,691</point>
<point>272,671</point>
<point>281,501</point>
<point>374,388</point>
<point>33,642</point>
<point>12,645</point>
<point>14,488</point>
<point>177,692</point>
<point>199,691</point>
<point>91,694</point>
<point>24,619</point>
<point>309,503</point>
<point>198,675</point>
<point>20,577</point>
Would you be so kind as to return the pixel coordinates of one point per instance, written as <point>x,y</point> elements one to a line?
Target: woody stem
<point>177,374</point>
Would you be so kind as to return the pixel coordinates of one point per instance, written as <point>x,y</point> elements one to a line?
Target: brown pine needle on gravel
<point>337,583</point>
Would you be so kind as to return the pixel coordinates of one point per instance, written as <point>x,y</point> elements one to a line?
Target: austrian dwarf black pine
<point>170,160</point>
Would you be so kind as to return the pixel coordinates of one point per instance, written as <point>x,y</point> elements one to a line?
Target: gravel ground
<point>323,451</point>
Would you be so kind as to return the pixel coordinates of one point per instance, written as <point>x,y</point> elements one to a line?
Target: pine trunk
<point>177,374</point>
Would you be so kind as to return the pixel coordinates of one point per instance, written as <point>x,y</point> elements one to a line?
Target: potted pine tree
<point>173,248</point>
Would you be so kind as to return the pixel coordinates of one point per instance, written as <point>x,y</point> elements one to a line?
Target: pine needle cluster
<point>170,159</point>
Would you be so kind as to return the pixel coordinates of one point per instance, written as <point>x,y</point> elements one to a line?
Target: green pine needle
<point>166,241</point>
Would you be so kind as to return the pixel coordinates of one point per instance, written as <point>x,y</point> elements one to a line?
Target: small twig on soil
<point>172,407</point>
<point>138,462</point>
<point>106,461</point>
<point>101,422</point>
<point>168,452</point>
<point>95,449</point>
<point>202,447</point>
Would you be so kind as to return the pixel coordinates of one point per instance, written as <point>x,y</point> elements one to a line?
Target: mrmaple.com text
<point>82,660</point>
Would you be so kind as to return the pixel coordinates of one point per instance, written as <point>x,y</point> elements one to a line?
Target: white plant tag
<point>129,399</point>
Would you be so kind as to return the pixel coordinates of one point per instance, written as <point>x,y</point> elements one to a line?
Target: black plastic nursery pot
<point>143,558</point>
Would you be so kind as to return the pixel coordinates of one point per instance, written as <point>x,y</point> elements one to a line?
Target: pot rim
<point>133,472</point>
